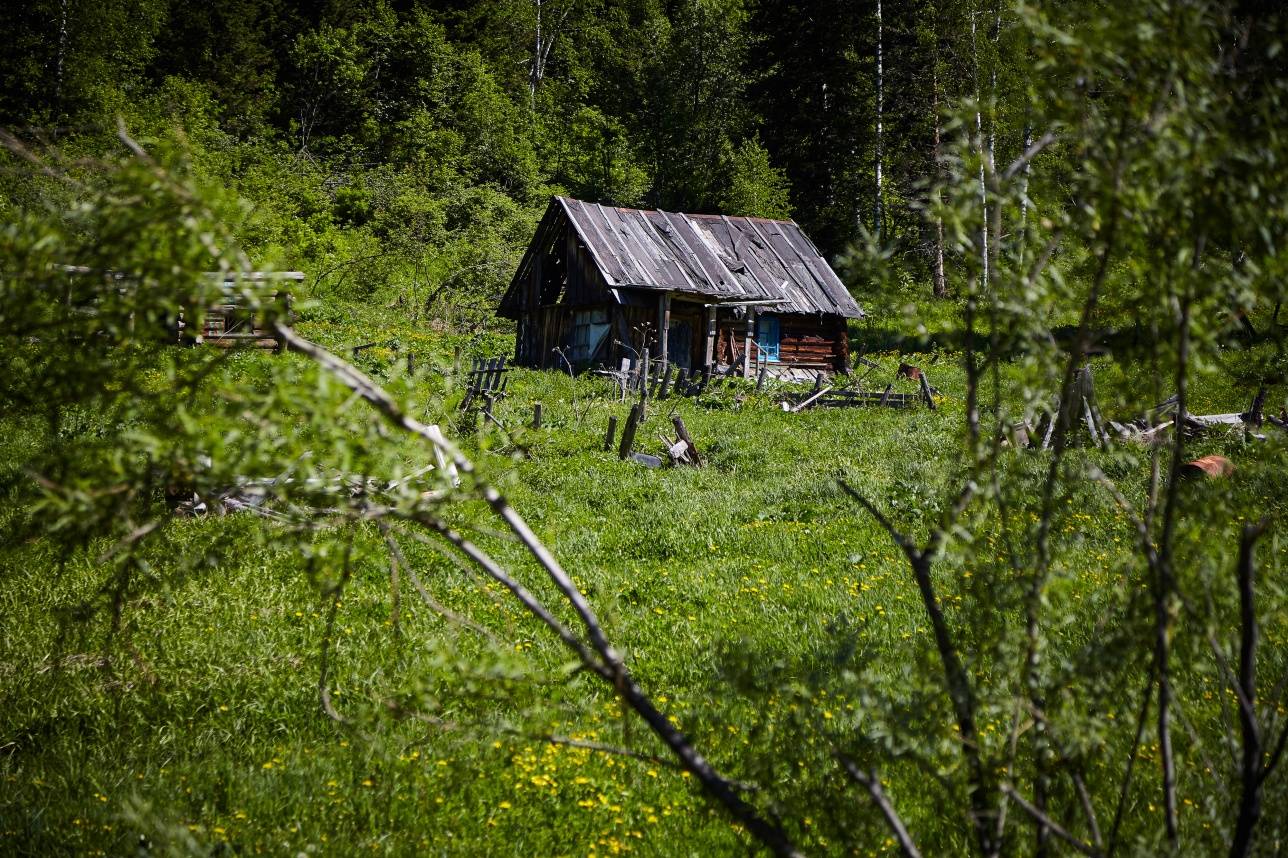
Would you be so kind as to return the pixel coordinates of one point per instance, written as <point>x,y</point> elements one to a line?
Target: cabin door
<point>679,344</point>
<point>767,335</point>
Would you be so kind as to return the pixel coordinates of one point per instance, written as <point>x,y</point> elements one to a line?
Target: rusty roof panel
<point>723,258</point>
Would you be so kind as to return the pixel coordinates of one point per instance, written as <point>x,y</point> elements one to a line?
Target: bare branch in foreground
<point>1051,825</point>
<point>1252,771</point>
<point>597,655</point>
<point>956,680</point>
<point>870,782</point>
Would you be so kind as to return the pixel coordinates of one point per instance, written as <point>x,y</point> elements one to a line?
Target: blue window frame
<point>767,337</point>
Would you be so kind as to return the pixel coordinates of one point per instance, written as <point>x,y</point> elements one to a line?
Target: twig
<point>324,690</point>
<point>1253,771</point>
<point>600,656</point>
<point>870,782</point>
<point>397,560</point>
<point>1051,825</point>
<point>957,681</point>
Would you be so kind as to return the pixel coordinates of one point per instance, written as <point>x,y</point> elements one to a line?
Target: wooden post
<point>628,434</point>
<point>536,415</point>
<point>664,327</point>
<point>610,434</point>
<point>760,379</point>
<point>644,370</point>
<point>411,363</point>
<point>666,382</point>
<point>885,395</point>
<point>925,392</point>
<point>747,339</point>
<point>683,434</point>
<point>711,338</point>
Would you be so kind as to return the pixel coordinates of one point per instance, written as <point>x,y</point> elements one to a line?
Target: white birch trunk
<point>996,244</point>
<point>879,214</point>
<point>62,53</point>
<point>979,138</point>
<point>1024,194</point>
<point>941,285</point>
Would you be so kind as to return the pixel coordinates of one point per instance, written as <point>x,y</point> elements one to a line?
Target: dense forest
<point>428,135</point>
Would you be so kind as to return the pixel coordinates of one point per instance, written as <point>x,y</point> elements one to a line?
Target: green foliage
<point>756,188</point>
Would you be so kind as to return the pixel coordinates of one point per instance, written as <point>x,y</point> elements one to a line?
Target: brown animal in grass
<point>908,371</point>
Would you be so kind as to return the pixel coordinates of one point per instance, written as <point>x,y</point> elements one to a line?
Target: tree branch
<point>1051,825</point>
<point>870,782</point>
<point>600,657</point>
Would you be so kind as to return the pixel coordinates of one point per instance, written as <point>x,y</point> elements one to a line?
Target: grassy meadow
<point>765,611</point>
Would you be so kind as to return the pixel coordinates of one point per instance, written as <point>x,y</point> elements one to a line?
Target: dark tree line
<point>739,106</point>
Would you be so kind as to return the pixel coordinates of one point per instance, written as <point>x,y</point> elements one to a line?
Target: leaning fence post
<point>682,433</point>
<point>610,434</point>
<point>536,415</point>
<point>628,434</point>
<point>666,381</point>
<point>925,392</point>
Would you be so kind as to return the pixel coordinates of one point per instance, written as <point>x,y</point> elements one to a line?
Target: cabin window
<point>767,337</point>
<point>589,329</point>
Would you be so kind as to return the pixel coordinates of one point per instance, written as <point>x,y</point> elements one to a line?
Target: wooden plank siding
<point>805,342</point>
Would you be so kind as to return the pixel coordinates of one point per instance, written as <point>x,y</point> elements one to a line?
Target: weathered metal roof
<point>721,258</point>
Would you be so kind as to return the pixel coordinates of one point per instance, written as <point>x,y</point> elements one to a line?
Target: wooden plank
<point>623,236</point>
<point>678,252</point>
<point>612,432</point>
<point>925,392</point>
<point>683,433</point>
<point>595,241</point>
<point>810,400</point>
<point>713,270</point>
<point>633,249</point>
<point>628,434</point>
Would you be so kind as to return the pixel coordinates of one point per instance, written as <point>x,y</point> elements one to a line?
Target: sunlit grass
<point>747,596</point>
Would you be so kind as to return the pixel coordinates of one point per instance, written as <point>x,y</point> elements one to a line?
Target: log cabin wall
<point>805,342</point>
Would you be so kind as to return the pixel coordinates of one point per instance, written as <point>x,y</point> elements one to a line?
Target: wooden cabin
<point>598,284</point>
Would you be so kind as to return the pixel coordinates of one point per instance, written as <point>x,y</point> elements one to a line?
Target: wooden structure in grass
<point>230,322</point>
<point>599,283</point>
<point>231,319</point>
